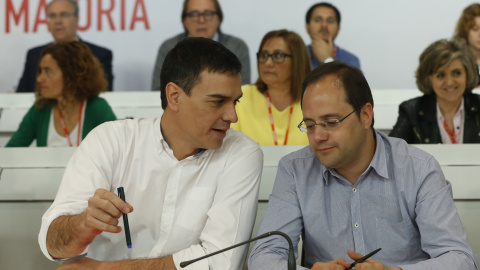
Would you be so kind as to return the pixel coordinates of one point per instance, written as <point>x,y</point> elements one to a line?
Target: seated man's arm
<point>84,207</point>
<point>283,214</point>
<point>322,48</point>
<point>64,237</point>
<point>165,263</point>
<point>442,234</point>
<point>230,220</point>
<point>231,217</point>
<point>69,236</point>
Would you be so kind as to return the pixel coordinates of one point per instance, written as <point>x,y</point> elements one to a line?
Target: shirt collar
<point>379,160</point>
<point>162,144</point>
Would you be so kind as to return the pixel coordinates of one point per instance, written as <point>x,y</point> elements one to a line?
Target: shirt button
<point>354,189</point>
<point>356,225</point>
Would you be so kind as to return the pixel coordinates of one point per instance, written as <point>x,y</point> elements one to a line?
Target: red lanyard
<point>334,51</point>
<point>273,125</point>
<point>79,125</point>
<point>450,133</point>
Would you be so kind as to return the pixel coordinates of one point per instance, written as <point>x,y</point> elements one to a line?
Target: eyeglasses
<point>207,15</point>
<point>63,15</point>
<point>329,124</point>
<point>277,58</point>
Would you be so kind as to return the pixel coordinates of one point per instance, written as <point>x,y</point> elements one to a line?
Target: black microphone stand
<point>291,256</point>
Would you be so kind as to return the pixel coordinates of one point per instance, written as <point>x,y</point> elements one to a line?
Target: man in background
<point>202,18</point>
<point>62,19</point>
<point>323,25</point>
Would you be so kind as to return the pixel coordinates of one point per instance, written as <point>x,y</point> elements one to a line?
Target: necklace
<point>67,134</point>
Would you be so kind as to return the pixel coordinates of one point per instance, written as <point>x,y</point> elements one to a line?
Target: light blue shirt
<point>402,203</point>
<point>341,55</point>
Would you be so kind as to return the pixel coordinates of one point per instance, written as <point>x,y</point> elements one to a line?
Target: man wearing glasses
<point>62,19</point>
<point>323,25</point>
<point>202,18</point>
<point>355,190</point>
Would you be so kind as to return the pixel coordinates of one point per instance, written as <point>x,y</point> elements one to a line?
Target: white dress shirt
<point>187,208</point>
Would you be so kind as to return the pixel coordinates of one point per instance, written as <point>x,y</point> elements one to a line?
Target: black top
<point>417,120</point>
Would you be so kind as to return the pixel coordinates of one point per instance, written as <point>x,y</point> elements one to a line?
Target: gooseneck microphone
<point>291,256</point>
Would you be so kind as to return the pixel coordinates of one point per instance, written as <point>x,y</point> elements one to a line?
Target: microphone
<point>291,256</point>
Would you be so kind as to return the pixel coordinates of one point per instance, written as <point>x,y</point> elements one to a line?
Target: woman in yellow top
<point>269,111</point>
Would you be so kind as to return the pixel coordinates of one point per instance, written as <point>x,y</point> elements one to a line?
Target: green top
<point>35,123</point>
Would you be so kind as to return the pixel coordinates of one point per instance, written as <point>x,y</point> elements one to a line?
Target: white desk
<point>32,174</point>
<point>28,183</point>
<point>147,104</point>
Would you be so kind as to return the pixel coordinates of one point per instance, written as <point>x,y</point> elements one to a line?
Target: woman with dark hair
<point>269,111</point>
<point>67,105</point>
<point>448,112</point>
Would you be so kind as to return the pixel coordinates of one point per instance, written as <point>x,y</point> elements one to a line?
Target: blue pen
<point>121,194</point>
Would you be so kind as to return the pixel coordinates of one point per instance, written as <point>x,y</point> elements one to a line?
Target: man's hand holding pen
<point>103,212</point>
<point>361,263</point>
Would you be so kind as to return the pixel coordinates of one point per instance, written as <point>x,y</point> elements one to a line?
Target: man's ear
<point>367,115</point>
<point>173,93</point>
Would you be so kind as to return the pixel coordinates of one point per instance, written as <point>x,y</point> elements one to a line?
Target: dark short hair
<point>308,17</point>
<point>82,74</point>
<point>300,61</point>
<point>443,52</point>
<point>357,90</point>
<point>218,9</point>
<point>72,2</point>
<point>184,64</point>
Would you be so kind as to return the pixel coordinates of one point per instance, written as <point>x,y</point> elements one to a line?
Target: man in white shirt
<point>191,184</point>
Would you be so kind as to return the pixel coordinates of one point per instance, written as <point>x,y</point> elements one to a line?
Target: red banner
<point>113,11</point>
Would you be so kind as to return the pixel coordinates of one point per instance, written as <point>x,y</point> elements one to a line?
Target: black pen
<point>121,194</point>
<point>364,258</point>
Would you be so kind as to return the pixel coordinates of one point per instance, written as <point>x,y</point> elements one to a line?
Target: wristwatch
<point>328,60</point>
